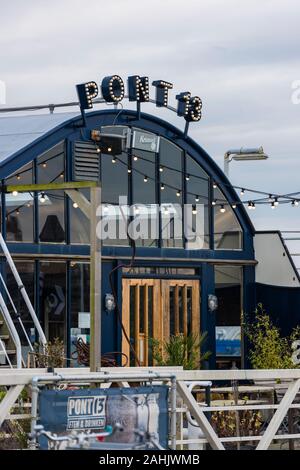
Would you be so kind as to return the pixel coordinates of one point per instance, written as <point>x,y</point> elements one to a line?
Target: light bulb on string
<point>162,186</point>
<point>129,170</point>
<point>18,177</point>
<point>233,205</point>
<point>44,165</point>
<point>197,198</point>
<point>242,192</point>
<point>135,158</point>
<point>145,179</point>
<point>214,202</point>
<point>273,205</point>
<point>114,160</point>
<point>295,202</point>
<point>43,197</point>
<point>276,203</point>
<point>75,205</point>
<point>178,193</point>
<point>187,177</point>
<point>222,209</point>
<point>161,169</point>
<point>194,209</point>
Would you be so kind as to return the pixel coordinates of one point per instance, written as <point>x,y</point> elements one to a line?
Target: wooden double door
<point>155,309</point>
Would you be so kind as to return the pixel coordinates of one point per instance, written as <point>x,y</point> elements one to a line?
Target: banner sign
<point>139,408</point>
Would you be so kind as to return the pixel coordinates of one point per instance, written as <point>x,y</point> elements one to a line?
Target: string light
<point>75,205</point>
<point>242,192</point>
<point>222,209</point>
<point>15,193</point>
<point>270,197</point>
<point>161,169</point>
<point>162,186</point>
<point>129,170</point>
<point>187,177</point>
<point>18,177</point>
<point>99,150</point>
<point>214,202</point>
<point>178,193</point>
<point>44,165</point>
<point>273,205</point>
<point>61,175</point>
<point>114,160</point>
<point>194,210</point>
<point>295,202</point>
<point>197,198</point>
<point>135,158</point>
<point>215,185</point>
<point>233,206</point>
<point>145,179</point>
<point>276,203</point>
<point>43,197</point>
<point>109,149</point>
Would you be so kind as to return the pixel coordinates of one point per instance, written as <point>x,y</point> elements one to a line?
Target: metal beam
<point>81,200</point>
<point>8,401</point>
<point>27,188</point>
<point>200,417</point>
<point>280,413</point>
<point>95,284</point>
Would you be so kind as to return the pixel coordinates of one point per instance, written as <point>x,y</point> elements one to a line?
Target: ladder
<point>7,319</point>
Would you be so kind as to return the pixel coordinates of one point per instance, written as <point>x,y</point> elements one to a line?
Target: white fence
<point>187,407</point>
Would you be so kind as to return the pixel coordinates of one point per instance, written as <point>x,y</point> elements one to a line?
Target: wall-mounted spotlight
<point>109,302</point>
<point>212,302</point>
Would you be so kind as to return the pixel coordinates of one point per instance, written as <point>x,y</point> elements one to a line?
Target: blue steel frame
<point>69,132</point>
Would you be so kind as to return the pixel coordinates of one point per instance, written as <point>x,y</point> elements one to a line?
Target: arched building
<point>168,289</point>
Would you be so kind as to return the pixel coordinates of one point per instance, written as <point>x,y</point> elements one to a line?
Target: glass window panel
<point>171,179</point>
<point>51,168</point>
<point>53,299</point>
<point>197,188</point>
<point>228,289</point>
<point>144,197</point>
<point>80,305</point>
<point>228,233</point>
<point>19,208</point>
<point>79,223</point>
<point>114,177</point>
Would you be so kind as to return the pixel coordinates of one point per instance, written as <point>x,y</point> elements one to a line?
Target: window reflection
<point>80,305</point>
<point>19,208</point>
<point>51,168</point>
<point>227,230</point>
<point>144,193</point>
<point>171,182</point>
<point>228,289</point>
<point>197,195</point>
<point>79,222</point>
<point>53,299</point>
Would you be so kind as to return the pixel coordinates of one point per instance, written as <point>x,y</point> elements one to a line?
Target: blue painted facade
<point>202,261</point>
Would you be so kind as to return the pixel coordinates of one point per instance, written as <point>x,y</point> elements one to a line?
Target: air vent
<point>86,166</point>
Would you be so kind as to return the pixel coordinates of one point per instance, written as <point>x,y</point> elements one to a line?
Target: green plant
<point>180,350</point>
<point>269,350</point>
<point>53,354</point>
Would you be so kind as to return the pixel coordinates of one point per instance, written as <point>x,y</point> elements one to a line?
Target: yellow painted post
<point>95,285</point>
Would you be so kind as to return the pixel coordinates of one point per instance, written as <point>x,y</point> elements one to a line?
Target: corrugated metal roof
<point>17,132</point>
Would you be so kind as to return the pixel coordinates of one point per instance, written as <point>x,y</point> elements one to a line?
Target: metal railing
<point>186,405</point>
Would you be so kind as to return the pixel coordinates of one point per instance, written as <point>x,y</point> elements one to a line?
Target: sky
<point>242,58</point>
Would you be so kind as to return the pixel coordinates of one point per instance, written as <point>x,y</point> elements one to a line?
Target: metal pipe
<point>12,330</point>
<point>173,426</point>
<point>23,291</point>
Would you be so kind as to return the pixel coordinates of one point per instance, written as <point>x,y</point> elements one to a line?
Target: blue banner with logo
<point>138,408</point>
